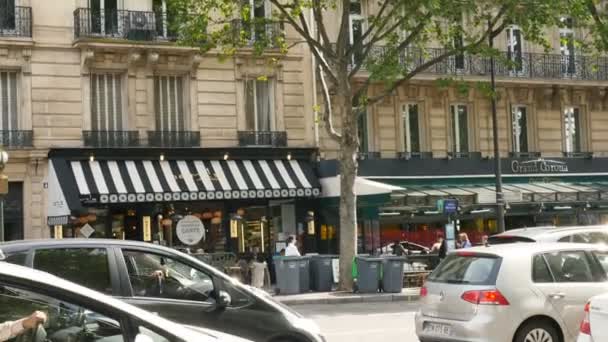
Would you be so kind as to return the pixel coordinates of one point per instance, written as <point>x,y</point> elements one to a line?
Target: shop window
<point>460,128</point>
<point>106,102</point>
<point>153,275</point>
<point>411,127</point>
<point>169,103</point>
<point>9,115</point>
<point>85,266</point>
<point>572,130</point>
<point>519,121</point>
<point>259,103</point>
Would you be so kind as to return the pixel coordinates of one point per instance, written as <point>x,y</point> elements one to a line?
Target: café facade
<point>218,200</point>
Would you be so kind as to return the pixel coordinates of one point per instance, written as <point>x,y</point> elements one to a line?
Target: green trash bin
<point>392,274</point>
<point>369,270</point>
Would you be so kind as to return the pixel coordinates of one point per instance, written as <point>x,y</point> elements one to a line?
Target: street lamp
<point>3,189</point>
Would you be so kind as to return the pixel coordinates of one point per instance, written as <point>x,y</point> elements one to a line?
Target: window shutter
<point>8,101</point>
<point>106,102</point>
<point>169,103</point>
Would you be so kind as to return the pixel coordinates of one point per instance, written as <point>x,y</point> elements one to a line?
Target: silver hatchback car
<point>512,292</point>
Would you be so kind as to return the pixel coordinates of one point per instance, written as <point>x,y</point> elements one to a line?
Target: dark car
<point>165,281</point>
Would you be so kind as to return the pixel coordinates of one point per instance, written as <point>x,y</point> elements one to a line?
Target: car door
<point>171,288</point>
<point>576,279</point>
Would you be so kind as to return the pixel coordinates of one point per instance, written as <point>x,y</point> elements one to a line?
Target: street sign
<point>190,230</point>
<point>450,206</point>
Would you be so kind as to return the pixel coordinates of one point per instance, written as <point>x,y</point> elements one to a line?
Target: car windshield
<point>504,239</point>
<point>471,269</point>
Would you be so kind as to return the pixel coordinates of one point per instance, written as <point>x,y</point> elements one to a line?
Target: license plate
<point>437,329</point>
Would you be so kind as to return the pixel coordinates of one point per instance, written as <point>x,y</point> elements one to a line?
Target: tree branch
<point>328,113</point>
<point>344,30</point>
<point>317,11</point>
<point>372,26</point>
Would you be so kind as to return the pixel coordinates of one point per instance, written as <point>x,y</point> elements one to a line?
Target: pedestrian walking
<point>464,241</point>
<point>292,249</point>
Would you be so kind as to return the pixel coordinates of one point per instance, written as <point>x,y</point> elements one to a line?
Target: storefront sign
<point>538,166</point>
<point>234,229</point>
<point>450,206</point>
<point>58,232</point>
<point>190,230</point>
<point>87,230</point>
<point>147,228</point>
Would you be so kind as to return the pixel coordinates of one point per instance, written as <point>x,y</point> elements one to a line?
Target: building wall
<point>54,91</point>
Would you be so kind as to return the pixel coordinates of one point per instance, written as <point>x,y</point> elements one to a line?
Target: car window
<point>85,266</point>
<point>598,238</point>
<point>569,266</point>
<point>504,239</point>
<point>567,238</point>
<point>540,270</point>
<point>16,258</point>
<point>66,321</point>
<point>602,257</point>
<point>473,269</point>
<point>154,275</point>
<point>238,298</point>
<point>581,238</point>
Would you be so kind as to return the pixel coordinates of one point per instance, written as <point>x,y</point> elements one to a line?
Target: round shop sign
<point>190,230</point>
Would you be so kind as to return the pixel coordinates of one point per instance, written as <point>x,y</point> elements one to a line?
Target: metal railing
<point>16,139</point>
<point>174,138</point>
<point>16,21</point>
<point>121,24</point>
<point>524,154</point>
<point>578,155</point>
<point>526,65</point>
<point>369,155</point>
<point>262,138</point>
<point>464,155</point>
<point>110,138</point>
<point>414,155</point>
<point>249,33</point>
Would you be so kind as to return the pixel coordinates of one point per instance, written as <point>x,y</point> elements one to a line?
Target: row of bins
<point>305,273</point>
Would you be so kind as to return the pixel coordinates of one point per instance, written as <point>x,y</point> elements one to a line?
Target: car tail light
<point>423,291</point>
<point>586,324</point>
<point>485,297</point>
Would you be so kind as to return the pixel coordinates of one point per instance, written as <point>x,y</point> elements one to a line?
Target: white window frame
<point>454,120</point>
<point>565,51</point>
<point>353,18</point>
<point>405,119</point>
<point>184,115</point>
<point>515,147</point>
<point>102,16</point>
<point>17,104</point>
<point>567,122</point>
<point>511,44</point>
<point>271,86</point>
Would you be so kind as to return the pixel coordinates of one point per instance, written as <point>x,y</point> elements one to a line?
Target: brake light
<point>423,291</point>
<point>485,297</point>
<point>465,254</point>
<point>586,324</point>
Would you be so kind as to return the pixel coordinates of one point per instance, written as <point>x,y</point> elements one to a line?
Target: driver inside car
<point>13,329</point>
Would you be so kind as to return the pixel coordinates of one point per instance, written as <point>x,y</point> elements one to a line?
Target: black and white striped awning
<point>132,181</point>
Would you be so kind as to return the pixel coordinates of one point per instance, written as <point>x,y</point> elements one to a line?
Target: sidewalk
<point>407,295</point>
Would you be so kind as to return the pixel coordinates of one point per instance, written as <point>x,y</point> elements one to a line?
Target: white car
<point>594,327</point>
<point>75,312</point>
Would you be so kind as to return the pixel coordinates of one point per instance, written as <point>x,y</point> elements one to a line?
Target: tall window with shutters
<point>169,103</point>
<point>106,102</point>
<point>259,103</point>
<point>9,115</point>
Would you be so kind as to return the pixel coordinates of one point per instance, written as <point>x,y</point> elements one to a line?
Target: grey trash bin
<point>392,274</point>
<point>287,271</point>
<point>304,265</point>
<point>368,273</point>
<point>322,272</point>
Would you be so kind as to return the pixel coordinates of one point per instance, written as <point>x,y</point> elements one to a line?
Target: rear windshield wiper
<point>454,281</point>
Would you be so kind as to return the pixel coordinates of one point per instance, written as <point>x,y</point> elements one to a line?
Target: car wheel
<point>537,331</point>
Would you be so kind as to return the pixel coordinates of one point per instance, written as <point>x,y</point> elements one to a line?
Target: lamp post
<point>500,205</point>
<point>3,189</point>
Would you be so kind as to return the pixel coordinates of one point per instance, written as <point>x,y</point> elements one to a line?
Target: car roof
<point>50,281</point>
<point>534,232</point>
<point>528,249</point>
<point>79,241</point>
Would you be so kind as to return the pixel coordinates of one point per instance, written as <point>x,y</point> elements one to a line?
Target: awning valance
<point>363,187</point>
<point>133,181</point>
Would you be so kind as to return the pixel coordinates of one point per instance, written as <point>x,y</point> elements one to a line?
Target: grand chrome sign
<point>538,166</point>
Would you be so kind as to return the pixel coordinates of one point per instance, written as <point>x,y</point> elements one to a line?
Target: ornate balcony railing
<point>15,21</point>
<point>262,138</point>
<point>526,65</point>
<point>464,155</point>
<point>524,154</point>
<point>414,155</point>
<point>369,155</point>
<point>121,24</point>
<point>106,139</point>
<point>174,139</point>
<point>16,139</point>
<point>251,32</point>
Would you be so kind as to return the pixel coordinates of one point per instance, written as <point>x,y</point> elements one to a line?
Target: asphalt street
<point>364,322</point>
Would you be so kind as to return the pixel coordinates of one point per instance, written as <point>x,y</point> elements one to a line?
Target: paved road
<point>364,322</point>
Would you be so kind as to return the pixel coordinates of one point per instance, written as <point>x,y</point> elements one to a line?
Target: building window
<point>169,103</point>
<point>411,127</point>
<point>104,16</point>
<point>356,22</point>
<point>9,115</point>
<point>460,128</point>
<point>515,48</point>
<point>567,49</point>
<point>519,120</point>
<point>572,130</point>
<point>165,15</point>
<point>259,103</point>
<point>106,102</point>
<point>363,132</point>
<point>7,14</point>
<point>459,62</point>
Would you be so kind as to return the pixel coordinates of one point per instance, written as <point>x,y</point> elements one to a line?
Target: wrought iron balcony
<point>464,155</point>
<point>121,24</point>
<point>414,155</point>
<point>369,155</point>
<point>586,155</point>
<point>15,21</point>
<point>174,139</point>
<point>16,139</point>
<point>110,138</point>
<point>508,65</point>
<point>524,154</point>
<point>250,33</point>
<point>262,138</point>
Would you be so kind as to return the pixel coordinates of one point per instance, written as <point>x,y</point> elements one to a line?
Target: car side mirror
<point>143,338</point>
<point>224,299</point>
